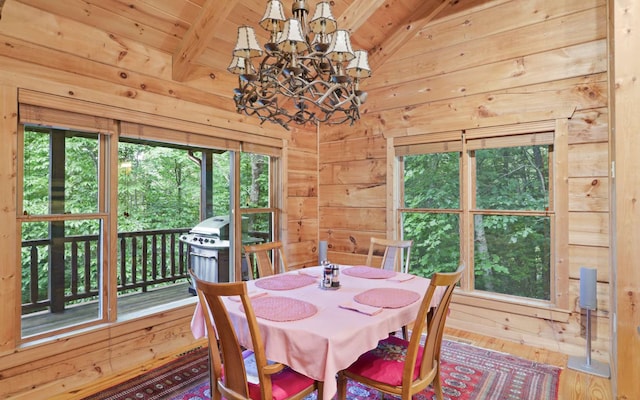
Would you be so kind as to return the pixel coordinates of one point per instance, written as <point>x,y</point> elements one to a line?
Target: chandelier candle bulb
<point>308,72</point>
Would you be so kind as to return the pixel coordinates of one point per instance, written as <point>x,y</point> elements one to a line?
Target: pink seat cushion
<point>285,384</point>
<point>385,362</point>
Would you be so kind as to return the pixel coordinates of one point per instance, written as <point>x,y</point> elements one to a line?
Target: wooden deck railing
<point>145,258</point>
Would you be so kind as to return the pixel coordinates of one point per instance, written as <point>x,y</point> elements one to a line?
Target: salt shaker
<point>327,274</point>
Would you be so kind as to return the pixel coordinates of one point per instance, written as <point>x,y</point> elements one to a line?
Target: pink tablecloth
<point>387,297</point>
<point>363,271</point>
<point>333,338</point>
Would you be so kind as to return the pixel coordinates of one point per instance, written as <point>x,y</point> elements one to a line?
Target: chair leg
<point>437,385</point>
<point>320,389</point>
<point>342,387</point>
<point>405,332</point>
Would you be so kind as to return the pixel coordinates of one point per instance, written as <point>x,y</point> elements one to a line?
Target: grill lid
<point>214,226</point>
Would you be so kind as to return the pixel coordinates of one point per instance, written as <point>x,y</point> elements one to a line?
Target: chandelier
<point>308,73</point>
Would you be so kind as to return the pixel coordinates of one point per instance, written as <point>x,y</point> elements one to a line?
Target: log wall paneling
<point>345,195</point>
<point>553,33</point>
<point>524,104</point>
<point>495,17</point>
<point>589,126</point>
<point>301,198</point>
<point>301,208</point>
<point>353,172</point>
<point>589,194</point>
<point>365,148</point>
<point>8,226</point>
<point>538,332</point>
<point>589,229</point>
<point>302,184</point>
<point>349,241</point>
<point>589,159</point>
<point>356,219</point>
<point>555,64</point>
<point>590,256</point>
<point>625,235</point>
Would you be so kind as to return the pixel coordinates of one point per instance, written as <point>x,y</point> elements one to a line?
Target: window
<point>485,200</point>
<point>511,222</point>
<point>103,205</point>
<point>258,201</point>
<point>159,199</point>
<point>62,227</point>
<point>431,211</point>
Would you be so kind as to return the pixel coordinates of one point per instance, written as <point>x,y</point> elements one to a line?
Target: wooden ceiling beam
<point>198,37</point>
<point>425,13</point>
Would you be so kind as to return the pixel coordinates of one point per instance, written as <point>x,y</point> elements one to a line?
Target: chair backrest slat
<point>435,327</point>
<point>396,254</point>
<point>227,343</point>
<point>260,255</point>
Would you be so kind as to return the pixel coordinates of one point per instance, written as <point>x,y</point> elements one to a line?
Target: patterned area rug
<point>468,373</point>
<point>179,376</point>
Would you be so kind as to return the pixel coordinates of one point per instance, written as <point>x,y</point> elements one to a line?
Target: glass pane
<point>512,255</point>
<point>60,274</point>
<point>432,181</point>
<point>254,180</point>
<point>60,172</point>
<point>436,242</point>
<point>160,187</point>
<point>513,178</point>
<point>256,228</point>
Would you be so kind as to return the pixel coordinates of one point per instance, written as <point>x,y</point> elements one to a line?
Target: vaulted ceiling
<point>198,35</point>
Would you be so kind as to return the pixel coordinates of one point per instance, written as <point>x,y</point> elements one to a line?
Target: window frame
<point>555,133</point>
<point>101,215</point>
<point>51,111</point>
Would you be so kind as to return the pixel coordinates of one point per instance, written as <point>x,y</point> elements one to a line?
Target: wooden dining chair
<point>236,373</point>
<point>396,253</point>
<point>405,367</point>
<point>260,256</point>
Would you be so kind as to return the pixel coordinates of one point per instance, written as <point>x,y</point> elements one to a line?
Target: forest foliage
<point>159,188</point>
<point>511,229</point>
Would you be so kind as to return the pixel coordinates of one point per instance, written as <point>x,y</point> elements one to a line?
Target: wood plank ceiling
<point>199,35</point>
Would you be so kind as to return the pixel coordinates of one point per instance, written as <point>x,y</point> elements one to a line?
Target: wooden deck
<point>43,321</point>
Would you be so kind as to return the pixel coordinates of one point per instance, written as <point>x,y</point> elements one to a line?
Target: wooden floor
<point>574,385</point>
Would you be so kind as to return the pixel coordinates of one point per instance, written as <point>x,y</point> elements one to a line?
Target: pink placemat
<point>285,282</point>
<point>281,309</point>
<point>363,271</point>
<point>387,297</point>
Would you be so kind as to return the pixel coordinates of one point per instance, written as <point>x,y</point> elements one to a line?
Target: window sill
<point>513,305</point>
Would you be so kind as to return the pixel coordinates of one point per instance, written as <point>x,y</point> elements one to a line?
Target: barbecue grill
<point>209,249</point>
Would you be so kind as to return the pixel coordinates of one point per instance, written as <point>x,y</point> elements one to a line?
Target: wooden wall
<point>501,63</point>
<point>625,224</point>
<point>125,75</point>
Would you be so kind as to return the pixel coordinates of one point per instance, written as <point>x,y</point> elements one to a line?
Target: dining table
<point>319,331</point>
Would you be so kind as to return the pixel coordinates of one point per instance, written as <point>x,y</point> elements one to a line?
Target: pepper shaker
<point>335,275</point>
